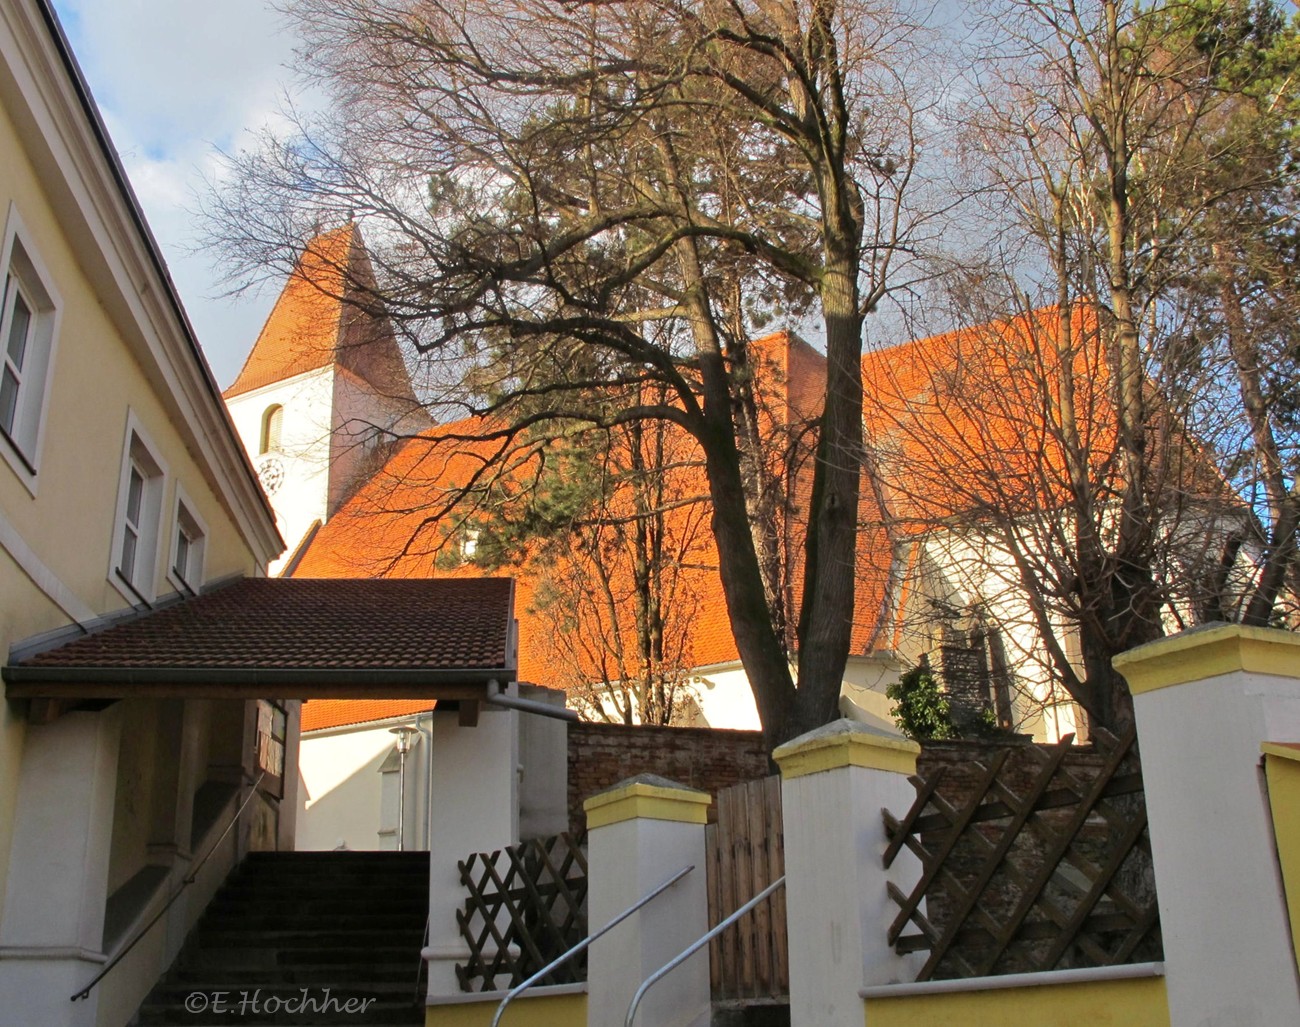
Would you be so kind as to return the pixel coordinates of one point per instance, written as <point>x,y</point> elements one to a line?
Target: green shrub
<point>920,708</point>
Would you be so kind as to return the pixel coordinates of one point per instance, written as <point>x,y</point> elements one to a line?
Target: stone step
<point>330,868</point>
<point>403,909</point>
<point>324,919</point>
<point>398,989</point>
<point>345,935</point>
<point>751,1014</point>
<point>252,953</point>
<point>341,893</point>
<point>382,974</point>
<point>304,885</point>
<point>284,1007</point>
<point>337,855</point>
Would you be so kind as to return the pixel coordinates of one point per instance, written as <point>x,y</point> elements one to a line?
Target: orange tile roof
<point>971,417</point>
<point>386,529</point>
<point>319,714</point>
<point>932,455</point>
<point>316,322</point>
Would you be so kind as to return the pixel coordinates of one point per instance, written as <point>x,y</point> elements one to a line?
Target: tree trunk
<point>830,569</point>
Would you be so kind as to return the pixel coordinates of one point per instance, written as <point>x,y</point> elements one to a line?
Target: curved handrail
<point>520,988</point>
<point>695,947</point>
<point>186,881</point>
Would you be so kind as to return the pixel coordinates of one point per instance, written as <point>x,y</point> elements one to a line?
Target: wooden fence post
<point>1206,700</point>
<point>835,781</point>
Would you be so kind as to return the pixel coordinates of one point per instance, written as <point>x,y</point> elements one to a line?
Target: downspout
<point>497,696</point>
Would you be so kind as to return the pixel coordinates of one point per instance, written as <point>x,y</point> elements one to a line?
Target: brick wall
<point>602,755</point>
<point>962,772</point>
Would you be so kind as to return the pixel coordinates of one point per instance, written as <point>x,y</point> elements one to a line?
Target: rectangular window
<point>28,322</point>
<point>131,530</point>
<point>17,321</point>
<point>188,543</point>
<point>136,535</point>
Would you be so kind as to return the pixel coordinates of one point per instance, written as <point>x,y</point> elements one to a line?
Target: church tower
<point>323,390</point>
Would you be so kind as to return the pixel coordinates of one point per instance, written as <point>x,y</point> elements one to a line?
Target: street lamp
<point>403,733</point>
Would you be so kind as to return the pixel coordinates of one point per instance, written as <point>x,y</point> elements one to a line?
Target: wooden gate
<point>749,962</point>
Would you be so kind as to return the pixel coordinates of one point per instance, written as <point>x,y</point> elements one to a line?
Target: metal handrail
<point>695,947</point>
<point>186,881</point>
<point>419,969</point>
<point>520,988</point>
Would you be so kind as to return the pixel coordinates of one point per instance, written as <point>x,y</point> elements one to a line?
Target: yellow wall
<point>1284,796</point>
<point>528,1011</point>
<point>1135,1002</point>
<point>95,379</point>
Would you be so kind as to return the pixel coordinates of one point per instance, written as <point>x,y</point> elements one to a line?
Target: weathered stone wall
<point>601,755</point>
<point>963,761</point>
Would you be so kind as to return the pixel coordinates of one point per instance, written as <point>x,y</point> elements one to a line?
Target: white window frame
<point>22,272</point>
<point>138,453</point>
<point>186,520</point>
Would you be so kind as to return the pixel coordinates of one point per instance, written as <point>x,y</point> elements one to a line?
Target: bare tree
<point>577,206</point>
<point>1078,439</point>
<point>616,544</point>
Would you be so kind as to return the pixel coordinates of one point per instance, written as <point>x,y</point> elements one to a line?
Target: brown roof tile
<point>376,630</point>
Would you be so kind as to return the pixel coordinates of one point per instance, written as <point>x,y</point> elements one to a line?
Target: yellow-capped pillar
<point>639,834</point>
<point>834,783</point>
<point>1205,701</point>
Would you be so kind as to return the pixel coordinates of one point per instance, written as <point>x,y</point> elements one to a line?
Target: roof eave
<point>181,362</point>
<point>251,682</point>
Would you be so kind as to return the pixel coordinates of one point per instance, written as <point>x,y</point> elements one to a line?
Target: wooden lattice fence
<point>527,904</point>
<point>749,962</point>
<point>1048,871</point>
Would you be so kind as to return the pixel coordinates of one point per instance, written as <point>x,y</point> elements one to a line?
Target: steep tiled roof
<point>972,417</point>
<point>385,528</point>
<point>376,634</point>
<point>317,321</point>
<point>319,714</point>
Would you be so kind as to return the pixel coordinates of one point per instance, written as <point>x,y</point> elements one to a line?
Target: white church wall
<point>984,573</point>
<point>361,421</point>
<point>295,474</point>
<point>727,701</point>
<point>725,698</point>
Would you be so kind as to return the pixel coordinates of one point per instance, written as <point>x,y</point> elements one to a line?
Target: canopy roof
<point>293,638</point>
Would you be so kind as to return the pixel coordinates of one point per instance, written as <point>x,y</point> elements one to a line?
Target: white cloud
<point>175,79</point>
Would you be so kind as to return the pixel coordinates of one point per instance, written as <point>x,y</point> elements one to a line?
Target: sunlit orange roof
<point>319,714</point>
<point>390,527</point>
<point>978,417</point>
<point>318,321</point>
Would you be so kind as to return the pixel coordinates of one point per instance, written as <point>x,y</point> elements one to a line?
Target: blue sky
<point>175,81</point>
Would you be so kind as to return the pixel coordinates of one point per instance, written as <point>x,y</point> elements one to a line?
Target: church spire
<point>317,321</point>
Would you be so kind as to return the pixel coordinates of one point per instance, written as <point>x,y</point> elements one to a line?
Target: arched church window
<point>272,421</point>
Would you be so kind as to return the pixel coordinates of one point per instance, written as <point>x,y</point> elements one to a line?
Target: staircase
<point>318,938</point>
